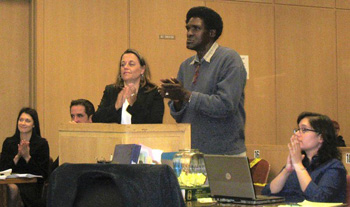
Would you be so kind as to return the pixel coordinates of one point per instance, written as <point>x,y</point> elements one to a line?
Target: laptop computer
<point>126,154</point>
<point>230,181</point>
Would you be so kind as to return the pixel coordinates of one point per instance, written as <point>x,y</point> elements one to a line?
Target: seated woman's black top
<point>37,165</point>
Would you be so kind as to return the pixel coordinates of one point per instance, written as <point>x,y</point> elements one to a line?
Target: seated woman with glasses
<point>314,170</point>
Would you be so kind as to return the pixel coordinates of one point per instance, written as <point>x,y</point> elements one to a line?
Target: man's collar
<point>207,57</point>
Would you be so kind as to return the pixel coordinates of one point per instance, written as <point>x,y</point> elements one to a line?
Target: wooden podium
<point>87,143</point>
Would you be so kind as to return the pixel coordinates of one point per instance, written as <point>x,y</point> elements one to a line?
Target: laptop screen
<point>229,176</point>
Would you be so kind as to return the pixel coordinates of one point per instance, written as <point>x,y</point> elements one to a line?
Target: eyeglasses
<point>304,130</point>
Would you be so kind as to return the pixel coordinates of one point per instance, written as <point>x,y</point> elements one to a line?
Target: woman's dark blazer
<point>38,164</point>
<point>39,152</point>
<point>148,107</point>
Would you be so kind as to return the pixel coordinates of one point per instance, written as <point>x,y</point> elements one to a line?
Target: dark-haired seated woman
<point>26,152</point>
<point>314,170</point>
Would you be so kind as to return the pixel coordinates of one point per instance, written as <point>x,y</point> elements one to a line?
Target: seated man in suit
<point>340,140</point>
<point>81,111</point>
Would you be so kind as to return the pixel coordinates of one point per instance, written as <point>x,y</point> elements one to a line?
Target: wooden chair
<point>348,190</point>
<point>114,185</point>
<point>260,173</point>
<point>46,183</point>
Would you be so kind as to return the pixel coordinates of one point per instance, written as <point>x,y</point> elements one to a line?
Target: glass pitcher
<point>189,167</point>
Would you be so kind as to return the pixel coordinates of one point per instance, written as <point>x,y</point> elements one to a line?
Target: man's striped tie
<point>196,73</point>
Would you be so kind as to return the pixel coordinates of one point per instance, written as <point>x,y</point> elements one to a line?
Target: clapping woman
<point>26,152</point>
<point>132,99</point>
<point>313,170</point>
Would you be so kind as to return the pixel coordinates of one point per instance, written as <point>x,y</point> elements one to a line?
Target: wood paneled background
<point>299,56</point>
<point>15,71</point>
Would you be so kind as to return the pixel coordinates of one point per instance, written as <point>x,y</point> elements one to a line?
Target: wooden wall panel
<point>298,54</point>
<point>148,20</point>
<point>78,53</point>
<point>243,27</point>
<point>316,3</point>
<point>255,1</point>
<point>343,64</point>
<point>306,77</point>
<point>343,4</point>
<point>14,63</point>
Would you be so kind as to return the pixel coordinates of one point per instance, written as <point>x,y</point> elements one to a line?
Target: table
<point>3,187</point>
<point>18,180</point>
<point>196,204</point>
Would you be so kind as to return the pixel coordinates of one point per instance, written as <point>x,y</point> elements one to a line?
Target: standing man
<point>81,111</point>
<point>209,89</point>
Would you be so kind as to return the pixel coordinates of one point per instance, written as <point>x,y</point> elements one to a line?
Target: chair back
<point>348,190</point>
<point>260,173</point>
<point>114,185</point>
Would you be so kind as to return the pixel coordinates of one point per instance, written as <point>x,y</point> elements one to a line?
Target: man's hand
<point>174,90</point>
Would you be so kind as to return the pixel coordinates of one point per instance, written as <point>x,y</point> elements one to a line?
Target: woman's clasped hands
<point>24,150</point>
<point>129,93</point>
<point>295,157</point>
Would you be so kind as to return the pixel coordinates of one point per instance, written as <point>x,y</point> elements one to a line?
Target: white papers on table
<point>318,204</point>
<point>8,174</point>
<point>5,173</point>
<point>24,176</point>
<point>307,203</point>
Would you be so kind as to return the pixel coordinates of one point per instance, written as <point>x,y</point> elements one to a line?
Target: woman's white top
<point>126,116</point>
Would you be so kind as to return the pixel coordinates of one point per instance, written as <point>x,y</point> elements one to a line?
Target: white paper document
<point>5,173</point>
<point>23,176</point>
<point>8,174</point>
